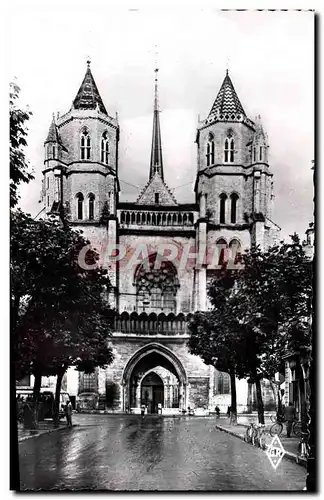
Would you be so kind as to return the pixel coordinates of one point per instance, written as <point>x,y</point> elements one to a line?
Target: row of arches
<point>86,146</point>
<point>157,218</point>
<point>223,200</point>
<point>229,251</point>
<point>81,203</point>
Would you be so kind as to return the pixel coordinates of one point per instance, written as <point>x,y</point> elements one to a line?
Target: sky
<point>270,57</point>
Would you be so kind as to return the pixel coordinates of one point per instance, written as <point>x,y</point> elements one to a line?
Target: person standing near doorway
<point>289,416</point>
<point>68,413</point>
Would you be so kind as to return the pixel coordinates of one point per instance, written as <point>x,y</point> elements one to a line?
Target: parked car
<point>87,401</point>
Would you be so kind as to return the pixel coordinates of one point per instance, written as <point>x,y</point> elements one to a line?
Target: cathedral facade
<point>230,211</point>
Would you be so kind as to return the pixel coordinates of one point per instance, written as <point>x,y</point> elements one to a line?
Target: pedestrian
<point>228,411</point>
<point>68,413</point>
<point>217,411</point>
<point>289,416</point>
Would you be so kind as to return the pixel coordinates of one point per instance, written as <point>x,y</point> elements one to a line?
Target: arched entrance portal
<point>152,392</point>
<point>154,375</point>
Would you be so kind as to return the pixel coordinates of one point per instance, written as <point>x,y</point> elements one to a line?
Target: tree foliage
<point>257,314</point>
<point>19,166</point>
<point>60,314</point>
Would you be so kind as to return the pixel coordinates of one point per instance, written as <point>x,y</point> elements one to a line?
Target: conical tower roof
<point>227,105</point>
<point>53,135</point>
<point>88,96</point>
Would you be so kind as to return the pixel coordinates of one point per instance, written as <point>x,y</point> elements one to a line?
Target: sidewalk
<point>290,445</point>
<point>45,427</point>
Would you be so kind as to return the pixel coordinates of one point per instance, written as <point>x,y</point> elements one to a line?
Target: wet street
<point>133,453</point>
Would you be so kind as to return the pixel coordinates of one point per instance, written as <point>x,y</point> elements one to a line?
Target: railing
<point>152,324</point>
<point>156,218</point>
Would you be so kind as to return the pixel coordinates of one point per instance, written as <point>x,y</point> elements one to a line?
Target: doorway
<point>152,392</point>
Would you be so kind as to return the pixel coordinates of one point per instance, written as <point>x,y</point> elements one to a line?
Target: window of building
<point>229,150</point>
<point>80,198</point>
<point>85,145</point>
<point>48,201</point>
<point>210,155</point>
<point>156,288</point>
<point>91,206</point>
<point>53,151</point>
<point>254,153</point>
<point>222,208</point>
<point>89,382</point>
<point>234,198</point>
<point>156,197</point>
<point>222,249</point>
<point>105,148</point>
<point>222,383</point>
<point>48,182</point>
<point>234,251</point>
<point>261,153</point>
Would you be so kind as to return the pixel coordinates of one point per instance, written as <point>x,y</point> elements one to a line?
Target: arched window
<point>85,145</point>
<point>210,150</point>
<point>222,208</point>
<point>229,150</point>
<point>234,251</point>
<point>80,199</point>
<point>53,151</point>
<point>254,153</point>
<point>105,148</point>
<point>222,249</point>
<point>156,288</point>
<point>91,206</point>
<point>234,198</point>
<point>261,153</point>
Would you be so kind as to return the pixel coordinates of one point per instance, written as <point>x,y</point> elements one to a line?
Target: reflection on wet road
<point>111,452</point>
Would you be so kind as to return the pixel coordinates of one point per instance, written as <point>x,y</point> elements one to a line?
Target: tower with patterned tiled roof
<point>234,181</point>
<point>81,165</point>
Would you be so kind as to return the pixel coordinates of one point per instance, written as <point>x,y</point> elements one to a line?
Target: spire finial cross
<point>88,62</point>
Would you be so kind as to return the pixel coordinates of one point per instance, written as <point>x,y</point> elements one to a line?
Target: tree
<point>212,333</point>
<point>19,167</point>
<point>60,314</point>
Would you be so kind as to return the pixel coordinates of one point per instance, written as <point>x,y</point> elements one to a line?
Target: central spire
<point>156,151</point>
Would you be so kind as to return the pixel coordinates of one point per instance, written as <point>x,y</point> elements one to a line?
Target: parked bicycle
<point>251,433</point>
<point>303,447</point>
<point>277,428</point>
<point>258,437</point>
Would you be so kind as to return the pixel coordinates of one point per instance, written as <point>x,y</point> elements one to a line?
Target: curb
<point>48,431</point>
<point>288,455</point>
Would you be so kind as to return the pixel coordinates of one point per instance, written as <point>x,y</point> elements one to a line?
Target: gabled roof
<point>156,185</point>
<point>88,96</point>
<point>227,104</point>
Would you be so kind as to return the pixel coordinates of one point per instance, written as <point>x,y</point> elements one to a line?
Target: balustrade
<point>155,218</point>
<point>152,324</point>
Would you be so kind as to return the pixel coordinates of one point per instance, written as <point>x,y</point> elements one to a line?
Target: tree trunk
<point>249,398</point>
<point>34,406</point>
<point>260,401</point>
<point>56,412</point>
<point>233,398</point>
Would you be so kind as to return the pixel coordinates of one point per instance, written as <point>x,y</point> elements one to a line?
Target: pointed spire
<point>88,96</point>
<point>52,135</point>
<point>227,105</point>
<point>156,150</point>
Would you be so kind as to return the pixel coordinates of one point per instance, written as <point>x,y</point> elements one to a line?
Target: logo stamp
<point>275,452</point>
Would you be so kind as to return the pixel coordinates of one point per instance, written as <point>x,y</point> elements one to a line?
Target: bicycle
<point>250,434</point>
<point>303,448</point>
<point>259,436</point>
<point>277,428</point>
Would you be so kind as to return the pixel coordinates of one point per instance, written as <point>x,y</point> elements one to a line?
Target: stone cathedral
<point>231,207</point>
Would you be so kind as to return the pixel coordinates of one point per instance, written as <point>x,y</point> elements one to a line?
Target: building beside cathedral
<point>231,208</point>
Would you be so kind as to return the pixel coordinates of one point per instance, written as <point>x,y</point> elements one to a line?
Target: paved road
<point>151,453</point>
